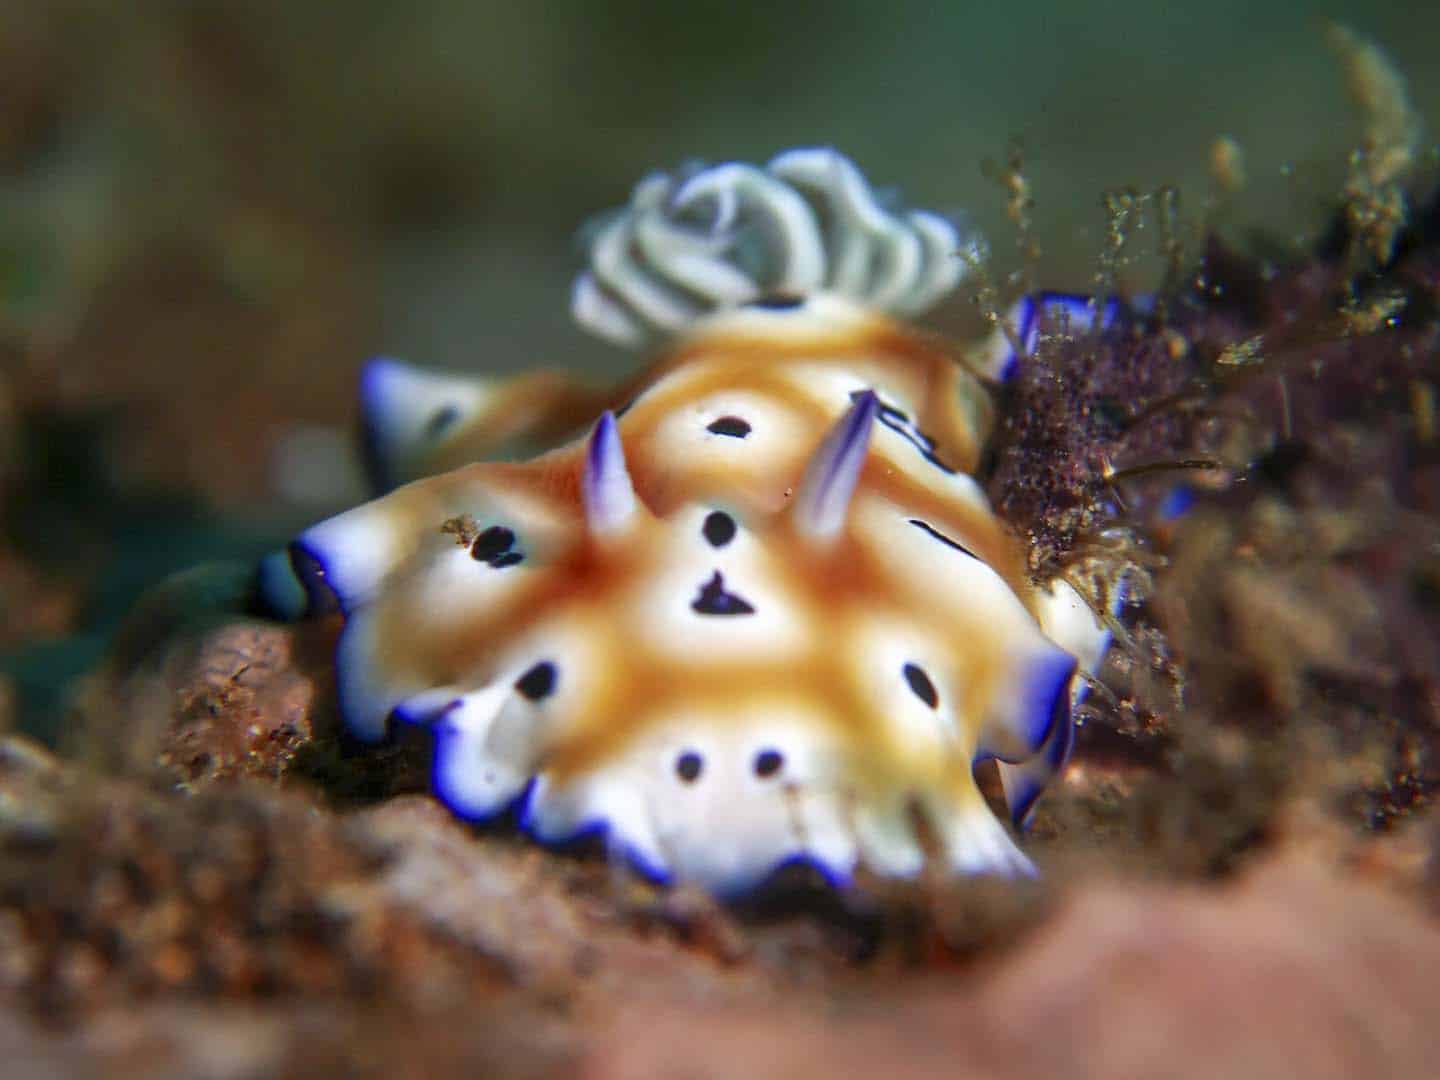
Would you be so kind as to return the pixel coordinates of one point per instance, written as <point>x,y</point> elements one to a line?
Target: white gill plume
<point>705,238</point>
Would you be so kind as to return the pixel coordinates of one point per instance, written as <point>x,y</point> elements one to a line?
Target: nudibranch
<point>758,612</point>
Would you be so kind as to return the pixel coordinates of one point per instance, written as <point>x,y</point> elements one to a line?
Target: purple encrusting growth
<point>1303,399</point>
<point>1078,408</point>
<point>1331,420</point>
<point>1055,312</point>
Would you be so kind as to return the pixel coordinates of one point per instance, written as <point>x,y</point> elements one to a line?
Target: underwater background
<point>211,214</point>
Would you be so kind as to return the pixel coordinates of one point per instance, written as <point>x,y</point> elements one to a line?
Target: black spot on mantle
<point>538,682</point>
<point>925,526</point>
<point>921,685</point>
<point>688,766</point>
<point>714,600</point>
<point>733,426</point>
<point>898,421</point>
<point>768,763</point>
<point>719,528</point>
<point>495,547</point>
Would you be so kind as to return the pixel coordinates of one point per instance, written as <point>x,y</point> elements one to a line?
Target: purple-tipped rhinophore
<point>605,487</point>
<point>829,483</point>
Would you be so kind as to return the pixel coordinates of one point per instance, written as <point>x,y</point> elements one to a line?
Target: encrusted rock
<point>197,691</point>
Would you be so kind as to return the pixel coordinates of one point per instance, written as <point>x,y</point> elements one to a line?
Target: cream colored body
<point>819,672</point>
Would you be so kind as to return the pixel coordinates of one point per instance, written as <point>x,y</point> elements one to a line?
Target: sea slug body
<point>757,612</point>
